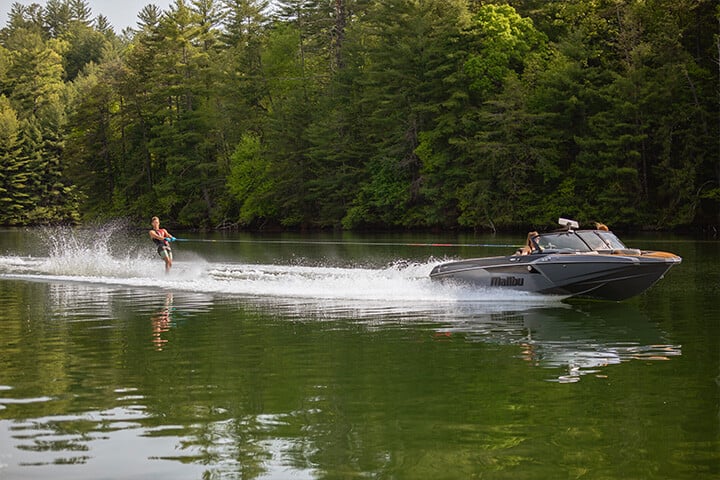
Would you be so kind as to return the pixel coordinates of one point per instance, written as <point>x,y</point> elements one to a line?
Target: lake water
<point>334,357</point>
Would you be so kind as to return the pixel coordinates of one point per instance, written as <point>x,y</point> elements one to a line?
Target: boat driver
<point>530,245</point>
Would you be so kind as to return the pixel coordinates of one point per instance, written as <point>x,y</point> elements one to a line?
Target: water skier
<point>162,239</point>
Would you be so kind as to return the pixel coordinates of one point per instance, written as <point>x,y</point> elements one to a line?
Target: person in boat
<point>530,244</point>
<point>162,239</point>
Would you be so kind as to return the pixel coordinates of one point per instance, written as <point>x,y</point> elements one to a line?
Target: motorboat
<point>570,262</point>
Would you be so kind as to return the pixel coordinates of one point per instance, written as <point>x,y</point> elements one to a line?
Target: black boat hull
<point>602,276</point>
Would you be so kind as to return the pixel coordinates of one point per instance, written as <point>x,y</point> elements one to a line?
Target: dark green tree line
<point>358,114</point>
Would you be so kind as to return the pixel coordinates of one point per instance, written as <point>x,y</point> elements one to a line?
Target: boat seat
<point>659,254</point>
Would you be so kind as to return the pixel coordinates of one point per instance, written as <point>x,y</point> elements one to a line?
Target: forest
<point>361,114</point>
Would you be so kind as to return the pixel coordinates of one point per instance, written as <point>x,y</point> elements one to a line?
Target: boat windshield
<point>562,241</point>
<point>601,240</point>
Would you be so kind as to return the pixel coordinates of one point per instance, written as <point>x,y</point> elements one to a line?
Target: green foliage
<point>85,46</point>
<point>252,182</point>
<point>34,188</point>
<point>504,40</point>
<point>353,114</point>
<point>14,171</point>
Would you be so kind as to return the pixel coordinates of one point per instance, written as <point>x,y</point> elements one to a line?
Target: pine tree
<point>14,168</point>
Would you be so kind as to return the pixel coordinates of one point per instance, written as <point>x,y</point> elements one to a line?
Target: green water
<point>334,357</point>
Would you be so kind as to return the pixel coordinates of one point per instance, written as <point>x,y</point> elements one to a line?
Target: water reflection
<point>575,339</point>
<point>579,339</point>
<point>71,446</point>
<point>161,322</point>
<point>303,388</point>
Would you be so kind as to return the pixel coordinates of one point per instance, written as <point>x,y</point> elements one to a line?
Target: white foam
<point>87,256</point>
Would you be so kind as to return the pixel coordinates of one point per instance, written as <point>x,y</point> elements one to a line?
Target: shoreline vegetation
<point>410,115</point>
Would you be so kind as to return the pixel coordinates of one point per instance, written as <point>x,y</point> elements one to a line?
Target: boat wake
<point>401,282</point>
<point>86,258</point>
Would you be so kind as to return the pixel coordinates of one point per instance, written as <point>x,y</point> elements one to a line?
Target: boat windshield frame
<point>562,241</point>
<point>601,240</point>
<point>582,241</point>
